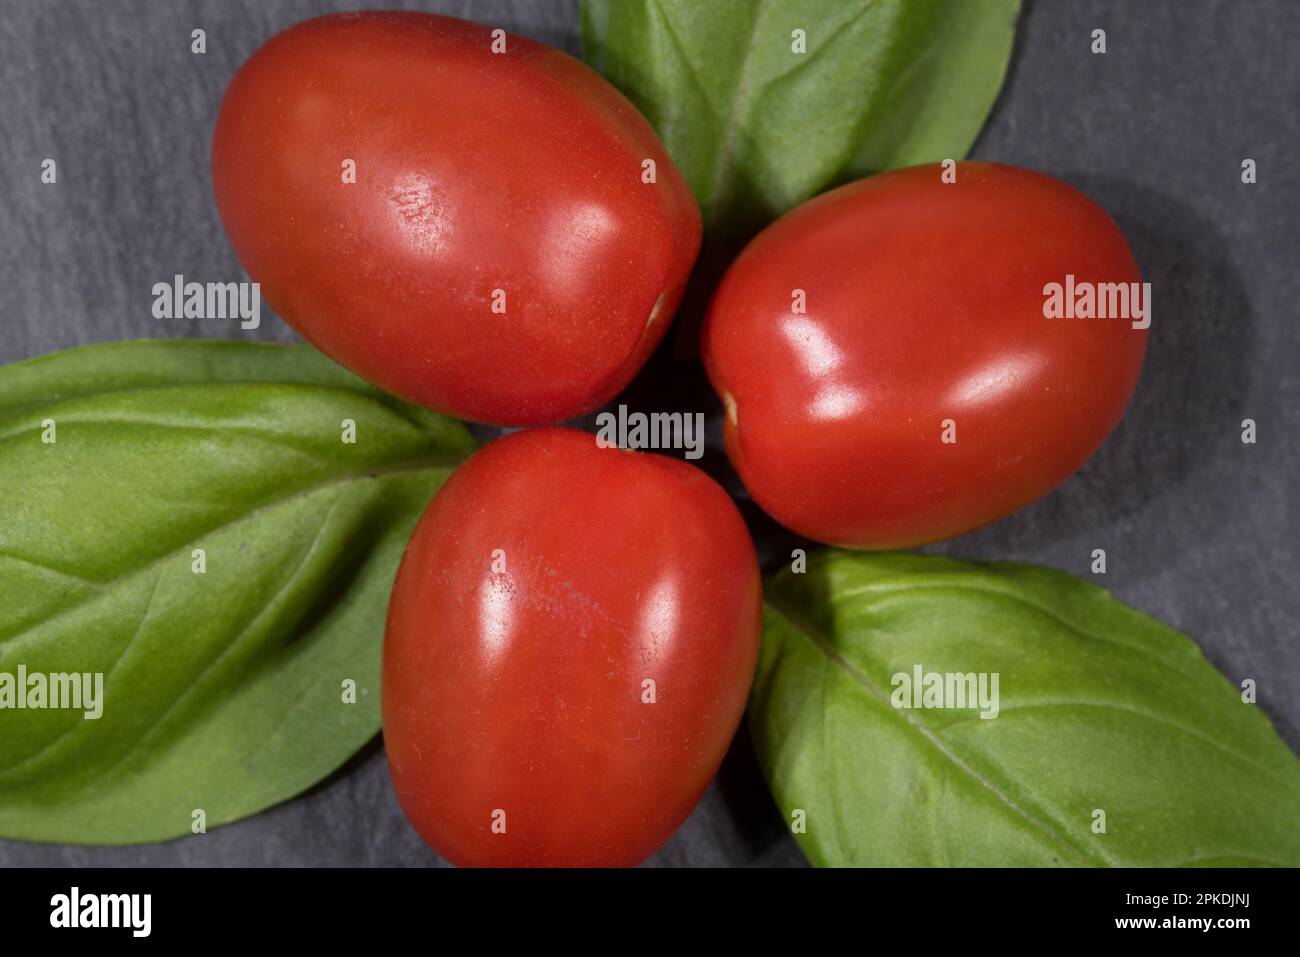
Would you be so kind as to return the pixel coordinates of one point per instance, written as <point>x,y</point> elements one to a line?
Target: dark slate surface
<point>1200,530</point>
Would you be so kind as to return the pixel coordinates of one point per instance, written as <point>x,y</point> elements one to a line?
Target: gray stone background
<point>1200,530</point>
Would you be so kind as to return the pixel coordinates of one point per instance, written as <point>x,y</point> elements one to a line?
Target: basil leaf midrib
<point>888,590</point>
<point>721,185</point>
<point>161,721</point>
<point>51,405</point>
<point>1111,726</point>
<point>423,464</point>
<point>834,657</point>
<point>898,82</point>
<point>227,681</point>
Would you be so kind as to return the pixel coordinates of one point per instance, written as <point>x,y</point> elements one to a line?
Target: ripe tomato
<point>484,181</point>
<point>570,642</point>
<point>921,392</point>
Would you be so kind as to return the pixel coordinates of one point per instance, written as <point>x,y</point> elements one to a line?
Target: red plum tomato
<point>461,218</point>
<point>570,642</point>
<point>897,366</point>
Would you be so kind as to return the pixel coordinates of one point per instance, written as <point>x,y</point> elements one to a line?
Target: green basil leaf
<point>223,691</point>
<point>757,128</point>
<point>1100,708</point>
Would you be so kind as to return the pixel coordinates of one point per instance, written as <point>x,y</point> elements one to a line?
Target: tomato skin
<point>924,303</point>
<point>522,690</point>
<point>475,171</point>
